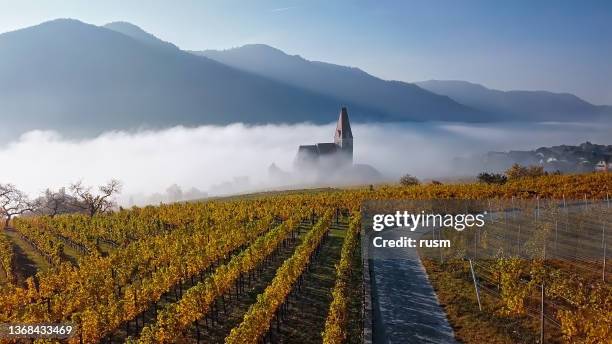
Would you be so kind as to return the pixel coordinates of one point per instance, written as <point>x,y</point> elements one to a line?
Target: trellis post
<point>542,316</point>
<point>475,285</point>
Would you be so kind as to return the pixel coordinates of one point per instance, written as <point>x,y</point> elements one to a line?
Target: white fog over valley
<point>181,163</point>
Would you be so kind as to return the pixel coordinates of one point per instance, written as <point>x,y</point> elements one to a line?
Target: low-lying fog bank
<point>182,163</point>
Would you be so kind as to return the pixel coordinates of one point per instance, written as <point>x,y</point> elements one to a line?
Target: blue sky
<point>563,46</point>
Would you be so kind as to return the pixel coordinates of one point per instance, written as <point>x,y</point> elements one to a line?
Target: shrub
<point>409,180</point>
<point>492,178</point>
<point>517,171</point>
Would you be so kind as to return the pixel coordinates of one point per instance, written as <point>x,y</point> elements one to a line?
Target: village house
<point>604,166</point>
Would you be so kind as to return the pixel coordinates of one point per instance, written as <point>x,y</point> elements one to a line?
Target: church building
<point>330,154</point>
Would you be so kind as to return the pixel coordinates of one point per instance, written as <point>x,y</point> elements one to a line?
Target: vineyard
<point>537,272</point>
<point>286,266</point>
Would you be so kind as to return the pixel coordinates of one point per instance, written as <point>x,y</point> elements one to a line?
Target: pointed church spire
<point>343,128</point>
<point>343,138</point>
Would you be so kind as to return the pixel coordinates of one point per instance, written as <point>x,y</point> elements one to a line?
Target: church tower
<point>343,138</point>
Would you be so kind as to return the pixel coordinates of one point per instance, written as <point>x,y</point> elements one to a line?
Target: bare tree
<point>94,203</point>
<point>56,202</point>
<point>13,202</point>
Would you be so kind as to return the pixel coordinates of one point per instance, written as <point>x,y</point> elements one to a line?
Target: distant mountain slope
<point>400,100</point>
<point>84,79</point>
<point>519,105</point>
<point>137,33</point>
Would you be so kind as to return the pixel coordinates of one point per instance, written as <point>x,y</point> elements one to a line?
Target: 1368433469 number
<point>58,331</point>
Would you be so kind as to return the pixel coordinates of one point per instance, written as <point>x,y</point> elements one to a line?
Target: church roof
<point>326,148</point>
<point>343,128</point>
<point>310,149</point>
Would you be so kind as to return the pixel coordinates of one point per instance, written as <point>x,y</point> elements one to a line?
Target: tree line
<point>77,198</point>
<point>515,172</point>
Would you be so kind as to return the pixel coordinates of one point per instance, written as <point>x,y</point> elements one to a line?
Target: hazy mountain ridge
<point>80,78</point>
<point>520,105</point>
<point>402,100</point>
<point>83,79</point>
<point>139,34</point>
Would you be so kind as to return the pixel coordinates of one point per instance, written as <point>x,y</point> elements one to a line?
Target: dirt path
<point>405,306</point>
<point>27,261</point>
